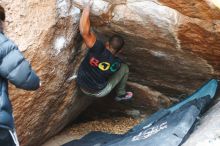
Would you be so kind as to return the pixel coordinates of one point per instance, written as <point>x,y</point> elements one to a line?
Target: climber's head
<point>115,44</point>
<point>2,17</point>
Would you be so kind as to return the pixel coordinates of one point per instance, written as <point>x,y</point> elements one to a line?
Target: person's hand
<point>90,3</point>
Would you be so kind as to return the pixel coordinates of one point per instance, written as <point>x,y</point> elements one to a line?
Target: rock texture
<point>47,31</point>
<point>171,46</point>
<point>207,133</point>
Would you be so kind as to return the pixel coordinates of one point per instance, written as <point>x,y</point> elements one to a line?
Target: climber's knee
<point>125,68</point>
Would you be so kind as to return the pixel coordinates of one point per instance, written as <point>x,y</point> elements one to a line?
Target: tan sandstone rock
<point>47,32</point>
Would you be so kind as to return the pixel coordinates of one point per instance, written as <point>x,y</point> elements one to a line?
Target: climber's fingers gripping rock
<point>88,3</point>
<point>91,2</point>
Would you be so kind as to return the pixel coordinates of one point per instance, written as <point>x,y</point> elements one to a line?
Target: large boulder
<point>47,32</point>
<point>171,46</point>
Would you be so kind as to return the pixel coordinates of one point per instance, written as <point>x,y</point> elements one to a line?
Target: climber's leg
<point>119,80</point>
<point>121,93</point>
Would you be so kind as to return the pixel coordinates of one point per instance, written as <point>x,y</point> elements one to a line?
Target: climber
<point>15,69</point>
<point>101,70</point>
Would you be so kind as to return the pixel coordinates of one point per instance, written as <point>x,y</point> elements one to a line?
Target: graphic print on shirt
<point>104,66</point>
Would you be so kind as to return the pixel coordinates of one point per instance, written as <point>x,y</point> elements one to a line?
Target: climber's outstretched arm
<point>87,35</point>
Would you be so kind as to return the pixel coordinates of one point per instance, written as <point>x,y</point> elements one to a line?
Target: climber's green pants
<point>118,80</point>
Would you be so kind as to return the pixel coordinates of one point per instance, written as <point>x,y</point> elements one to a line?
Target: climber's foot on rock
<point>124,97</point>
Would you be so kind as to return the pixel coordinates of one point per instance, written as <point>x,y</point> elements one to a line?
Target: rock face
<point>207,133</point>
<point>171,46</point>
<point>47,31</point>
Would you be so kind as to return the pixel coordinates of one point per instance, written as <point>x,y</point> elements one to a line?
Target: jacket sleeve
<point>15,68</point>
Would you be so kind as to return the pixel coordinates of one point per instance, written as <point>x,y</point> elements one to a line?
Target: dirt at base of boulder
<point>116,125</point>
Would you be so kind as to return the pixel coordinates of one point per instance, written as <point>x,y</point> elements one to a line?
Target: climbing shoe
<point>124,97</point>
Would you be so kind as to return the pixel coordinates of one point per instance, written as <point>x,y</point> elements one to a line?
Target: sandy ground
<point>116,125</point>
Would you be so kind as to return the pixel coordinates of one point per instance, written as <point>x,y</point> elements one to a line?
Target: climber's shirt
<point>97,67</point>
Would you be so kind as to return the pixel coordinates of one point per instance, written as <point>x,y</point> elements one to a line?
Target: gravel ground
<point>116,125</point>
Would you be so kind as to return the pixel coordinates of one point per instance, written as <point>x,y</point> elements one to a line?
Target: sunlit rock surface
<point>172,47</point>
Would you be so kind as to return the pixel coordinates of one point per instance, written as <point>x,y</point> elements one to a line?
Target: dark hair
<point>116,42</point>
<point>2,13</point>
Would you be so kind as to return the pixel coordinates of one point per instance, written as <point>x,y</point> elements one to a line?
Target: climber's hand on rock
<point>90,3</point>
